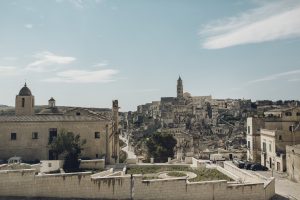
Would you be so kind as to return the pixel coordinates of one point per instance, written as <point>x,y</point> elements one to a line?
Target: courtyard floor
<point>284,188</point>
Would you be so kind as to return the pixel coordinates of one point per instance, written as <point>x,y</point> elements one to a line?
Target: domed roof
<point>25,91</point>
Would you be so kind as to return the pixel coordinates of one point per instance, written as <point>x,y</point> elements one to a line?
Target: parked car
<point>239,163</point>
<point>258,167</point>
<point>2,162</point>
<point>248,165</point>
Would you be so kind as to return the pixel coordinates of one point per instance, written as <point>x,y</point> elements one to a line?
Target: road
<point>284,188</point>
<point>128,149</point>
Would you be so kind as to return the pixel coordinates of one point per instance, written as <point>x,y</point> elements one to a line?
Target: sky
<point>87,53</point>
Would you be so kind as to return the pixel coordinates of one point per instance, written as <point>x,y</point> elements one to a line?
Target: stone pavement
<point>284,188</point>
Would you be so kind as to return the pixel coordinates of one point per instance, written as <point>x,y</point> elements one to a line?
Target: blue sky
<point>87,53</point>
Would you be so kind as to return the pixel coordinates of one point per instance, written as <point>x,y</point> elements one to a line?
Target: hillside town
<point>149,100</point>
<point>225,135</point>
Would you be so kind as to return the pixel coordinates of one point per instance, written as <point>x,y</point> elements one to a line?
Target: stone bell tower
<point>179,88</point>
<point>24,102</point>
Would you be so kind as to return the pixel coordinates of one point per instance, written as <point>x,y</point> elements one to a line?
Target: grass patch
<point>154,169</point>
<point>208,175</point>
<point>204,174</point>
<point>176,174</point>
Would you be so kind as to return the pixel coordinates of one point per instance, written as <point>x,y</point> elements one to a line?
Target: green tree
<point>161,146</point>
<point>69,146</point>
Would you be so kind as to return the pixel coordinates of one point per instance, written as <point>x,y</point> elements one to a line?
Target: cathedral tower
<point>179,88</point>
<point>24,102</point>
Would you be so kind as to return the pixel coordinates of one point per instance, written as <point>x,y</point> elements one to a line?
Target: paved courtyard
<point>284,188</point>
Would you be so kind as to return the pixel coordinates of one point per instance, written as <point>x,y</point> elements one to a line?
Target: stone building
<point>279,128</point>
<point>28,134</point>
<point>254,125</point>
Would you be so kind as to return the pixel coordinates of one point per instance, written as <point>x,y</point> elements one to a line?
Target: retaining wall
<point>83,185</point>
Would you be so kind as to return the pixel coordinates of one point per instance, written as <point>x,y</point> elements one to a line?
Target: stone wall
<point>25,183</point>
<point>83,185</point>
<point>244,176</point>
<point>293,162</point>
<point>32,149</point>
<point>92,164</point>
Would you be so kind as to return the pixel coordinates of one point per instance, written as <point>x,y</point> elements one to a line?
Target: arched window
<point>23,102</point>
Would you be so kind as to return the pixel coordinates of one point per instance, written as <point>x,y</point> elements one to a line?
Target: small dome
<point>52,99</point>
<point>25,91</point>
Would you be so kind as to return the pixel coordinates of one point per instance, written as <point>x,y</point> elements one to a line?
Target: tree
<point>161,146</point>
<point>68,146</point>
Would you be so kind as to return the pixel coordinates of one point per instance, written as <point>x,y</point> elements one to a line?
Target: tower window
<point>23,102</point>
<point>78,113</point>
<point>35,135</point>
<point>13,136</point>
<point>97,135</point>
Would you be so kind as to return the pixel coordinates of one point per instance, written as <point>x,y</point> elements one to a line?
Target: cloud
<point>103,63</point>
<point>276,76</point>
<point>29,26</point>
<point>45,61</point>
<point>8,71</point>
<point>84,76</point>
<point>270,21</point>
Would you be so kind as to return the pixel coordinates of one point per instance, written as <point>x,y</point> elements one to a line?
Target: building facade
<point>28,135</point>
<point>278,128</point>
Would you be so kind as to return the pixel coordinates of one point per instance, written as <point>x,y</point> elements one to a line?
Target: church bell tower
<point>179,88</point>
<point>24,102</point>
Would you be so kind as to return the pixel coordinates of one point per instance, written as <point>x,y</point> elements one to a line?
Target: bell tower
<point>179,88</point>
<point>24,102</point>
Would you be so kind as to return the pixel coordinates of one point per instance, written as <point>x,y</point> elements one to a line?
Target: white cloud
<point>8,71</point>
<point>270,21</point>
<point>29,26</point>
<point>103,63</point>
<point>84,76</point>
<point>276,76</point>
<point>45,61</point>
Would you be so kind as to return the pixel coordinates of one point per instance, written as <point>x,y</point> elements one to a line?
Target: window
<point>35,135</point>
<point>298,114</point>
<point>77,113</point>
<point>97,155</point>
<point>248,129</point>
<point>23,102</point>
<point>270,147</point>
<point>248,145</point>
<point>52,134</point>
<point>13,136</point>
<point>264,147</point>
<point>291,128</point>
<point>97,134</point>
<point>279,137</point>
